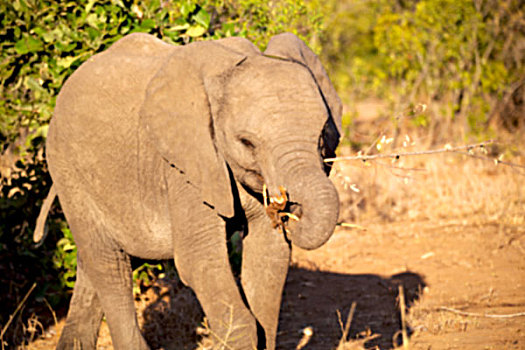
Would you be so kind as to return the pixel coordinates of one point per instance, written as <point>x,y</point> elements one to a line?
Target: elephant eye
<point>247,142</point>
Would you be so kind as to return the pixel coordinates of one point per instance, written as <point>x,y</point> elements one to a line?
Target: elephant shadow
<point>313,298</point>
<point>173,318</point>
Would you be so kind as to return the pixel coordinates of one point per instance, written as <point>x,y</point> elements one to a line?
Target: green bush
<point>461,55</point>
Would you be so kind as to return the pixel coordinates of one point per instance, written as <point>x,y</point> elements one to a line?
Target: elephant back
<point>94,133</point>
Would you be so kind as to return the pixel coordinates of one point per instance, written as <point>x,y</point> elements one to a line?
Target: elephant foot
<point>70,341</point>
<point>235,337</point>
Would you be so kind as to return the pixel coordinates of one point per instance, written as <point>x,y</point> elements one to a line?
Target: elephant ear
<point>290,47</point>
<point>177,116</point>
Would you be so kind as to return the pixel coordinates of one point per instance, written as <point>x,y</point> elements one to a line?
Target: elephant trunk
<point>314,200</point>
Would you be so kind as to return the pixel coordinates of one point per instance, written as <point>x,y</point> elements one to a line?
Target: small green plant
<point>145,275</point>
<point>65,258</point>
<point>235,252</point>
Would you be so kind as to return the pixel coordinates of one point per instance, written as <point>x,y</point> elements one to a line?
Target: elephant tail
<point>41,228</point>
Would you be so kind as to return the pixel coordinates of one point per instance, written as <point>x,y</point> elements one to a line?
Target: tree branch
<point>445,149</point>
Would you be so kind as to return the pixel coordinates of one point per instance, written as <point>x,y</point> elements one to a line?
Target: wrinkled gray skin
<point>153,148</point>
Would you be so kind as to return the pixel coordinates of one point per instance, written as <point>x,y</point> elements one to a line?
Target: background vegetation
<point>452,69</point>
<point>462,59</point>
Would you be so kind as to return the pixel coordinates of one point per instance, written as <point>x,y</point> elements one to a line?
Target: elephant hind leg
<point>84,317</point>
<point>105,273</point>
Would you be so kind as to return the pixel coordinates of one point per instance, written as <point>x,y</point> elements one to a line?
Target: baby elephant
<point>155,149</point>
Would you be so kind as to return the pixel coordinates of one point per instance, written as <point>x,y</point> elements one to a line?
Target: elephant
<point>159,151</point>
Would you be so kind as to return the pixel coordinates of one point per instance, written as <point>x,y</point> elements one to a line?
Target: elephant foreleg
<point>201,258</point>
<point>265,261</point>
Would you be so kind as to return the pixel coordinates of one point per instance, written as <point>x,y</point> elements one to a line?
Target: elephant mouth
<point>280,210</point>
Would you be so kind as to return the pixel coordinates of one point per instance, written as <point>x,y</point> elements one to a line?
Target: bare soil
<point>478,269</point>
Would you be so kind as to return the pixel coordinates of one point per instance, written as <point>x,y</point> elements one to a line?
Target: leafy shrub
<point>145,275</point>
<point>462,55</point>
<point>65,258</point>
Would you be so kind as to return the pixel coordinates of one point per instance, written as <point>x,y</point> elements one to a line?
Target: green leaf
<point>178,27</point>
<point>202,18</point>
<point>94,33</point>
<point>196,31</point>
<point>147,24</point>
<point>69,279</point>
<point>92,20</point>
<point>89,6</point>
<point>65,62</point>
<point>187,8</point>
<point>52,35</point>
<point>228,29</point>
<point>64,46</point>
<point>28,44</point>
<point>153,4</point>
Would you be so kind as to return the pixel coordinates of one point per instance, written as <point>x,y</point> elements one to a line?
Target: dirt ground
<point>445,269</point>
<point>465,268</point>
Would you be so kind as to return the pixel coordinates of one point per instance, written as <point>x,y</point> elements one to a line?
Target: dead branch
<point>464,150</point>
<point>445,149</point>
<point>346,328</point>
<point>495,160</point>
<point>474,314</point>
<point>402,308</point>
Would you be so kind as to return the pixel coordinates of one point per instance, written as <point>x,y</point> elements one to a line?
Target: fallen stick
<point>474,314</point>
<point>402,308</point>
<point>344,224</point>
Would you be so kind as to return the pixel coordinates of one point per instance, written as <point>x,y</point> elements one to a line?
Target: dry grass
<point>439,322</point>
<point>435,187</point>
<point>351,344</point>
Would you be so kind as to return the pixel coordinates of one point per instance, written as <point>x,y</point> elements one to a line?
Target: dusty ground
<point>478,269</point>
<point>464,267</point>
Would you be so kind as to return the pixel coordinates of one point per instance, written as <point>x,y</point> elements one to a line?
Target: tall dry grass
<point>438,188</point>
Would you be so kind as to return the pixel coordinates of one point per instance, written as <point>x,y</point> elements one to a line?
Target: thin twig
<point>417,153</point>
<point>386,165</point>
<point>305,339</point>
<point>474,314</point>
<point>346,330</point>
<point>402,307</point>
<point>344,224</point>
<point>495,160</point>
<point>52,312</point>
<point>4,329</point>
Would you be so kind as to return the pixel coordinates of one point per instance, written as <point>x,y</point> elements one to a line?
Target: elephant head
<point>267,119</point>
